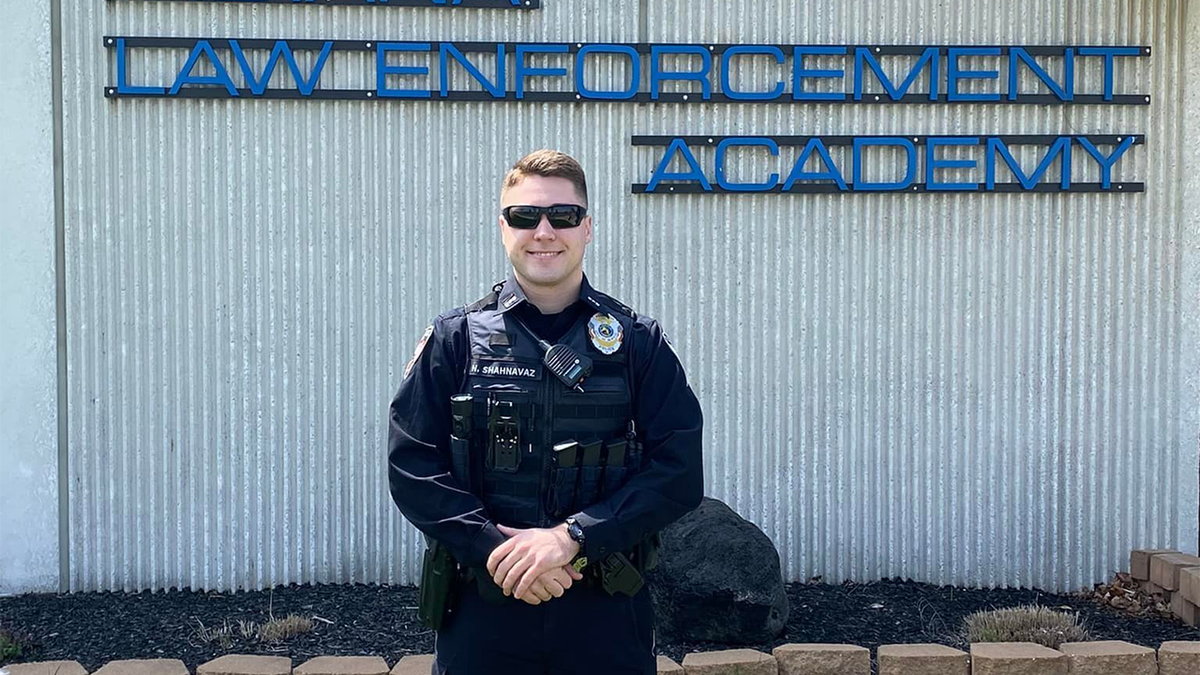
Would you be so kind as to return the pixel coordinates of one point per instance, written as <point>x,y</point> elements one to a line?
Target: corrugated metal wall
<point>961,389</point>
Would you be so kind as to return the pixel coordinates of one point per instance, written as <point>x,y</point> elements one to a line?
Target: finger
<point>556,588</point>
<point>505,566</point>
<point>573,573</point>
<point>531,575</point>
<point>509,531</point>
<point>497,555</point>
<point>542,589</point>
<point>515,573</point>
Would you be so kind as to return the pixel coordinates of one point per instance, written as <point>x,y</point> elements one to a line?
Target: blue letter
<point>723,147</point>
<point>860,143</point>
<point>696,174</point>
<point>728,89</point>
<point>932,164</point>
<point>445,48</point>
<point>382,69</point>
<point>635,75</point>
<point>522,72</point>
<point>929,56</point>
<point>1108,53</point>
<point>799,72</point>
<point>1106,163</point>
<point>798,173</point>
<point>186,77</point>
<point>1064,93</point>
<point>258,86</point>
<point>658,76</point>
<point>996,145</point>
<point>955,74</point>
<point>122,75</point>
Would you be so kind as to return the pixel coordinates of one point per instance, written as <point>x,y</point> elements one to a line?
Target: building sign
<point>692,74</point>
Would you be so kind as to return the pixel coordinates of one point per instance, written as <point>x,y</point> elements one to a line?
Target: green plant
<point>10,646</point>
<point>1028,623</point>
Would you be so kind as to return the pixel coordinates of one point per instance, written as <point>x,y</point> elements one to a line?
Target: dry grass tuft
<point>271,631</point>
<point>221,635</point>
<point>1029,623</point>
<point>276,630</point>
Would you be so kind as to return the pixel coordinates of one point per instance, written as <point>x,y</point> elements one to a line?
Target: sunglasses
<point>561,216</point>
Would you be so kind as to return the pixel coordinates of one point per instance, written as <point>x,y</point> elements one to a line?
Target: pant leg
<point>590,632</point>
<point>480,638</point>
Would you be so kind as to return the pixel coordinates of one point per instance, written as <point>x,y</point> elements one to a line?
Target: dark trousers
<point>585,632</point>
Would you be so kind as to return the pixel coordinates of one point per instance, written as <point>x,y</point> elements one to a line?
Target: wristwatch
<point>575,532</point>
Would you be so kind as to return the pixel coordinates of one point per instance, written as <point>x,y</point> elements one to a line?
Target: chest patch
<point>506,369</point>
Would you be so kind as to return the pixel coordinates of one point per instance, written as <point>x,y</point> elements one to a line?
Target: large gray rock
<point>718,579</point>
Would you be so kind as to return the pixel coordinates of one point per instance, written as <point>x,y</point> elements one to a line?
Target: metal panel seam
<point>1189,250</point>
<point>60,297</point>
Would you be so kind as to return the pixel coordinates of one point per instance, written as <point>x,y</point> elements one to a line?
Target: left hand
<point>526,555</point>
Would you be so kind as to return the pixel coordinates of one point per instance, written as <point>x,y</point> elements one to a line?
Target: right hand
<point>551,584</point>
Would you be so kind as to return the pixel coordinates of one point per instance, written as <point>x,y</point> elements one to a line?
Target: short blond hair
<point>548,164</point>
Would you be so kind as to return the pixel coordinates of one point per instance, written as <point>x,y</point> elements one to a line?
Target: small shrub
<point>276,630</point>
<point>12,645</point>
<point>1029,623</point>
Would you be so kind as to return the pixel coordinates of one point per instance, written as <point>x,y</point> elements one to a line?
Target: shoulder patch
<point>418,351</point>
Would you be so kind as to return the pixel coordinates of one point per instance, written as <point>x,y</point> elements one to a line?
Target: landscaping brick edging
<point>1173,577</point>
<point>986,658</point>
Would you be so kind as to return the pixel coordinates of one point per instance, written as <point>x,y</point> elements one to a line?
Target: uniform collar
<point>511,294</point>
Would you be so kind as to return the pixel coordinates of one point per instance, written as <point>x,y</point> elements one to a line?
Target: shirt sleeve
<point>670,424</point>
<point>419,476</point>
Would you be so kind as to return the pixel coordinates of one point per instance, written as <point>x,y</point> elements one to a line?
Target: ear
<point>588,232</point>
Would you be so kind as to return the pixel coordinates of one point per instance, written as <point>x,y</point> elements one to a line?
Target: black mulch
<point>94,628</point>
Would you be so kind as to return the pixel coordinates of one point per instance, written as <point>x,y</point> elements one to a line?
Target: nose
<point>544,229</point>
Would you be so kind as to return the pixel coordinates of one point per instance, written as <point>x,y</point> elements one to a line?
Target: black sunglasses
<point>561,216</point>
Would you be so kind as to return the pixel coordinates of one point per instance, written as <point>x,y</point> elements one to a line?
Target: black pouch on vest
<point>590,474</point>
<point>563,491</point>
<point>614,467</point>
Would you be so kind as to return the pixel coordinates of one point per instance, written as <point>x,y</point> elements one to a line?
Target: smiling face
<point>545,258</point>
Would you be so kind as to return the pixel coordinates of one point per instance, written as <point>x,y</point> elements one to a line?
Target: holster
<point>439,585</point>
<point>620,573</point>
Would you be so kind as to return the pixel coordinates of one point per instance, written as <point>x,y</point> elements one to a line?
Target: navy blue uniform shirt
<point>667,417</point>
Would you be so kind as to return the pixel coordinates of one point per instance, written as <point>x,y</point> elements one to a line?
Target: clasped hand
<point>533,565</point>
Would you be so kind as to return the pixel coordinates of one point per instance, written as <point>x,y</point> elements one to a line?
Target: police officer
<point>541,438</point>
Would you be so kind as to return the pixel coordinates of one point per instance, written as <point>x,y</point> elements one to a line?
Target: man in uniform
<point>541,439</point>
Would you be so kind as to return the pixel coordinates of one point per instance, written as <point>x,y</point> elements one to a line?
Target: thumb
<point>574,574</point>
<point>508,531</point>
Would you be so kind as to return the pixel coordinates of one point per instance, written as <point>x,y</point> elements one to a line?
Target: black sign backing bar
<point>643,97</point>
<point>573,47</point>
<point>786,141</point>
<point>830,188</point>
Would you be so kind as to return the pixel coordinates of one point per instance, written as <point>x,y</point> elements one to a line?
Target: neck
<point>552,299</point>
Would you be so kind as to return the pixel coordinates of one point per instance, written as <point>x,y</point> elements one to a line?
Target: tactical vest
<point>532,450</point>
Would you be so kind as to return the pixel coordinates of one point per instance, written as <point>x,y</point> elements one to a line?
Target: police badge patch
<point>417,352</point>
<point>605,332</point>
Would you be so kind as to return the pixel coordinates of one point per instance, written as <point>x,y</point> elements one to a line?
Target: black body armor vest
<point>532,450</point>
